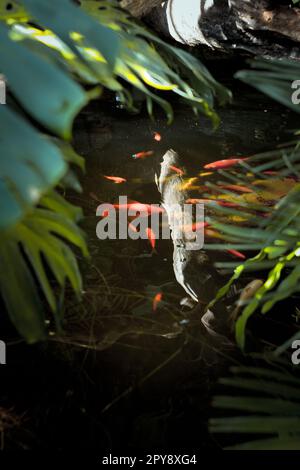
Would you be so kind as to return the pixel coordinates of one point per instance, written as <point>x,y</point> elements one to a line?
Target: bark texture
<point>263,27</point>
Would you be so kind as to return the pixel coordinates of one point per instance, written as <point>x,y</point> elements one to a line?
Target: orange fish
<point>157,136</point>
<point>116,179</point>
<point>157,299</point>
<point>142,154</point>
<point>238,254</point>
<point>216,201</point>
<point>236,188</point>
<point>220,164</point>
<point>226,203</point>
<point>270,172</point>
<point>140,207</point>
<point>177,170</point>
<point>151,237</point>
<point>194,201</point>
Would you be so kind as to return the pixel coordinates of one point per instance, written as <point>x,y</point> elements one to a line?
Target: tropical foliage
<point>263,400</point>
<point>268,226</point>
<point>56,57</point>
<point>266,403</point>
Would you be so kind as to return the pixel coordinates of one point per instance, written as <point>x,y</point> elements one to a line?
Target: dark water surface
<point>125,374</point>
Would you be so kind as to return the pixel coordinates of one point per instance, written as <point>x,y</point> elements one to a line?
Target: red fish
<point>220,164</point>
<point>270,172</point>
<point>157,136</point>
<point>237,188</point>
<point>226,204</point>
<point>116,179</point>
<point>177,170</point>
<point>151,237</point>
<point>157,299</point>
<point>140,207</point>
<point>238,254</point>
<point>216,201</point>
<point>194,201</point>
<point>142,155</point>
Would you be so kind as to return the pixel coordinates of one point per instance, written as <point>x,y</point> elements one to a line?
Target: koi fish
<point>220,164</point>
<point>157,136</point>
<point>151,237</point>
<point>116,179</point>
<point>140,155</point>
<point>157,299</point>
<point>237,254</point>
<point>177,170</point>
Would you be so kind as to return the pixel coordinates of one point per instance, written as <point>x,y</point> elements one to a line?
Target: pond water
<point>127,374</point>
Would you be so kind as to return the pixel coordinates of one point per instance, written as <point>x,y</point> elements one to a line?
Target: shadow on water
<point>125,374</point>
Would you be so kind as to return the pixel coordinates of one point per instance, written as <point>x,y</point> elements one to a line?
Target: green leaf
<point>64,18</point>
<point>30,166</point>
<point>19,293</point>
<point>45,91</point>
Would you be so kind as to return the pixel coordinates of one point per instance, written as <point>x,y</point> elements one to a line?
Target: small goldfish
<point>190,184</point>
<point>157,299</point>
<point>194,201</point>
<point>205,173</point>
<point>157,136</point>
<point>116,179</point>
<point>220,164</point>
<point>237,188</point>
<point>208,201</point>
<point>177,170</point>
<point>140,155</point>
<point>140,207</point>
<point>270,172</point>
<point>225,203</point>
<point>151,237</point>
<point>237,254</point>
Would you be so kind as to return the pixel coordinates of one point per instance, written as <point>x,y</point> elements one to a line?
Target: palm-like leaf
<point>272,411</point>
<point>271,228</point>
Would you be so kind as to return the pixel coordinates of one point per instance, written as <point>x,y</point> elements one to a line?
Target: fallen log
<point>261,27</point>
